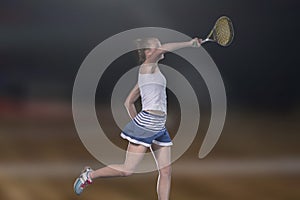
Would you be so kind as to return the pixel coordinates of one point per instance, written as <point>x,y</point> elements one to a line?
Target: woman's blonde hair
<point>142,45</point>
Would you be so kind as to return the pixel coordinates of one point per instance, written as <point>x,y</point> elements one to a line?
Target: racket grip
<point>194,44</point>
<point>204,41</point>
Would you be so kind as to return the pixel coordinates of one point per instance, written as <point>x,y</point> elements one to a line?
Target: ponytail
<point>140,51</point>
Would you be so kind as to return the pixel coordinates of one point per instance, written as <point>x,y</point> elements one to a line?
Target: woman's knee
<point>126,173</point>
<point>165,171</point>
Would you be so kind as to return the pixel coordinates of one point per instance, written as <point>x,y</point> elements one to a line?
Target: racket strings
<point>223,32</point>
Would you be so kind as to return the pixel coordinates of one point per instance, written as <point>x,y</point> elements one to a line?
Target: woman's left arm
<point>130,100</point>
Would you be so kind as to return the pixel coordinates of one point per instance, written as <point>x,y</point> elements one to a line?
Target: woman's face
<point>154,44</point>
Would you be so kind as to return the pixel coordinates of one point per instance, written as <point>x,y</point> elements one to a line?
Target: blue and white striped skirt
<point>147,128</point>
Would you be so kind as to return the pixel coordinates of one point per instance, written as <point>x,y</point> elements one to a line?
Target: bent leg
<point>162,156</point>
<point>134,155</point>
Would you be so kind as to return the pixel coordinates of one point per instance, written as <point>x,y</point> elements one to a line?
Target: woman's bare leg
<point>162,156</point>
<point>134,155</point>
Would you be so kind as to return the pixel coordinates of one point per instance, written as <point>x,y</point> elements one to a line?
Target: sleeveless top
<point>153,91</point>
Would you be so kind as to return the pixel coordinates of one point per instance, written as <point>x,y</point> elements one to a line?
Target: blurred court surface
<point>41,155</point>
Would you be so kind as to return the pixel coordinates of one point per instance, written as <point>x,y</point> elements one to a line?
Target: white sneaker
<point>83,180</point>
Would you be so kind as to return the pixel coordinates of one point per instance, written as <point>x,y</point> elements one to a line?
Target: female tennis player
<point>147,128</point>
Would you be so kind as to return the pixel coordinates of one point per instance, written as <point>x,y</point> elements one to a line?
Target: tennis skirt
<point>147,128</point>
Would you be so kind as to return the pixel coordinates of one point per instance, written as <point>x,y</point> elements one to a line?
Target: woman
<point>147,128</point>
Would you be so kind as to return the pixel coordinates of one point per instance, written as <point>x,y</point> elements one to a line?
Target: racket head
<point>223,32</point>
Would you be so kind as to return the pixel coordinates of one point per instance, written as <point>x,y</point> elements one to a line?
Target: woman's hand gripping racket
<point>222,33</point>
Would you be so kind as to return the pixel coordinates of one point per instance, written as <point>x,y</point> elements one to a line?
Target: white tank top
<point>153,91</point>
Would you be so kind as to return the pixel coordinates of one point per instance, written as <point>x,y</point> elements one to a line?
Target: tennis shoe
<point>83,180</point>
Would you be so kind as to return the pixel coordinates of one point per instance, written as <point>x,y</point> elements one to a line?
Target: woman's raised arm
<point>169,47</point>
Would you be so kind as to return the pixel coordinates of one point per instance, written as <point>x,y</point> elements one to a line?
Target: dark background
<point>42,45</point>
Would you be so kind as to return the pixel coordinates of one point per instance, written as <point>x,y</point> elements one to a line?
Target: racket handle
<point>195,44</point>
<point>203,41</point>
<point>206,40</point>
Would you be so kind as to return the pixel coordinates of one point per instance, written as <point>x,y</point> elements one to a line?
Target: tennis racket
<point>222,33</point>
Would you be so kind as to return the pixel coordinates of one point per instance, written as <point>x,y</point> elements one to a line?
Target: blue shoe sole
<point>77,186</point>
